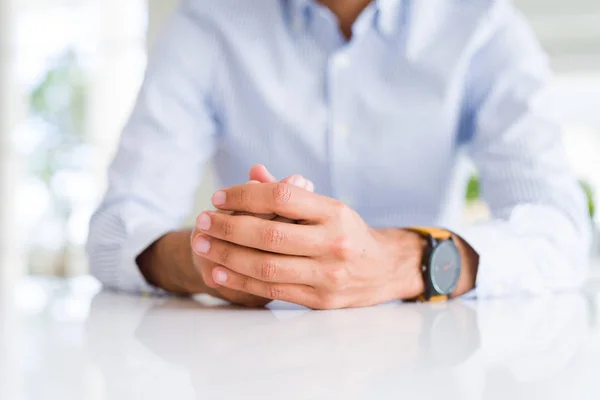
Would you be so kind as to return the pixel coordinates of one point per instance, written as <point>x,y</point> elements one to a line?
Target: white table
<point>61,341</point>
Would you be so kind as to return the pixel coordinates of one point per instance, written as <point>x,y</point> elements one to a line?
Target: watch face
<point>445,267</point>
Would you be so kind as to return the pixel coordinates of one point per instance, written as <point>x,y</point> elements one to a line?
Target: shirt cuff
<point>504,264</point>
<point>143,236</point>
<point>114,263</point>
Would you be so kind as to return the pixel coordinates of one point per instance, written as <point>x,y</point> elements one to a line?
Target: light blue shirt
<point>389,122</point>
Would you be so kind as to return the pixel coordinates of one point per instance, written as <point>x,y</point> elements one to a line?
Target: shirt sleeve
<point>162,151</point>
<point>539,236</point>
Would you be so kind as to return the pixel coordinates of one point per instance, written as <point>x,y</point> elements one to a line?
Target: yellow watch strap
<point>436,233</point>
<point>432,299</point>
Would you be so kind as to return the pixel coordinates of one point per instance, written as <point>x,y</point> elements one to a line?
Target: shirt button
<point>342,60</point>
<point>341,131</point>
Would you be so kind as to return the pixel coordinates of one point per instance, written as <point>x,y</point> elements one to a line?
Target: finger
<point>206,268</point>
<point>201,263</point>
<point>261,174</point>
<point>294,180</point>
<point>236,297</point>
<point>263,216</point>
<point>272,236</point>
<point>267,267</point>
<point>300,181</point>
<point>297,294</point>
<point>278,198</point>
<point>241,298</point>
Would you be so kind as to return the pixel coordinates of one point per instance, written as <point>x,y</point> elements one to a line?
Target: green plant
<point>473,189</point>
<point>589,192</point>
<point>58,107</point>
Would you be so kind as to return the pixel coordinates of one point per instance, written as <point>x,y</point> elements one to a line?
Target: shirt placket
<point>339,129</point>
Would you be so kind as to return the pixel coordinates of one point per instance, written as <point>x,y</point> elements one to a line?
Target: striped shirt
<point>391,122</point>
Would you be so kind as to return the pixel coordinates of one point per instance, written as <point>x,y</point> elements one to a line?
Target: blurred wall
<point>10,263</point>
<point>159,10</point>
<point>569,31</point>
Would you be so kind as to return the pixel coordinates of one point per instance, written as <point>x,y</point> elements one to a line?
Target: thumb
<point>261,174</point>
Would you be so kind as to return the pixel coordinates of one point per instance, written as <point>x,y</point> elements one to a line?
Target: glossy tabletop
<point>64,340</point>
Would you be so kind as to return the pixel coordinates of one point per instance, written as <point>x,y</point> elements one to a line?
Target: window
<point>78,65</point>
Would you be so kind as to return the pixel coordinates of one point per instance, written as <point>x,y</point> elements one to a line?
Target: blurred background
<point>69,73</point>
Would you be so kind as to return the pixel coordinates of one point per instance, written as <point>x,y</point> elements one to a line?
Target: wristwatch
<point>441,265</point>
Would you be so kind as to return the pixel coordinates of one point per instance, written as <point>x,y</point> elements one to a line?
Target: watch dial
<point>445,267</point>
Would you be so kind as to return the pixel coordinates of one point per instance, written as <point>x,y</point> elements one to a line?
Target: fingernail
<point>299,181</point>
<point>201,245</point>
<point>219,198</point>
<point>203,222</point>
<point>219,276</point>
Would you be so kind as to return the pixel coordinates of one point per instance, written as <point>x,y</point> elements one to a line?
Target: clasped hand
<point>329,259</point>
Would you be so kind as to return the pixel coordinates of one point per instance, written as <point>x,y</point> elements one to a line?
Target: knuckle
<point>342,211</point>
<point>224,254</point>
<point>244,282</point>
<point>228,228</point>
<point>282,192</point>
<point>273,237</point>
<point>267,269</point>
<point>342,248</point>
<point>244,195</point>
<point>275,292</point>
<point>338,277</point>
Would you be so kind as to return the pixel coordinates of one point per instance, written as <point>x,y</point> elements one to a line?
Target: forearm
<point>534,251</point>
<point>168,264</point>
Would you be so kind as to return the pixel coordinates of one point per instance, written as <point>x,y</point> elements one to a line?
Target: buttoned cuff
<point>504,266</point>
<point>113,262</point>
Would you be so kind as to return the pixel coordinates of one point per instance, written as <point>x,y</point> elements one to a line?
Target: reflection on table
<point>75,346</point>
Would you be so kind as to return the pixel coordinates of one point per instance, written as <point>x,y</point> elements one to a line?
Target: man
<point>377,103</point>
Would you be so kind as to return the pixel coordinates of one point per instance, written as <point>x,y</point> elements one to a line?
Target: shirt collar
<point>298,14</point>
<point>390,16</point>
<point>387,15</point>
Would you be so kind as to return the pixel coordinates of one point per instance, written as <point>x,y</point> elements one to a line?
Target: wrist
<point>404,251</point>
<point>168,264</point>
<point>469,267</point>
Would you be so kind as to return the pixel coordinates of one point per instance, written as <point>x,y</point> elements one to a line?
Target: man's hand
<point>258,175</point>
<point>332,259</point>
<point>170,264</point>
